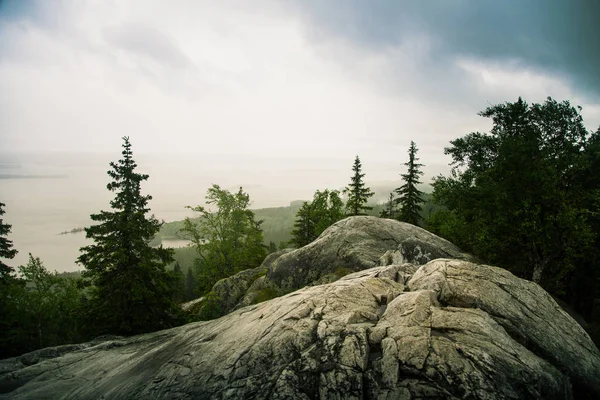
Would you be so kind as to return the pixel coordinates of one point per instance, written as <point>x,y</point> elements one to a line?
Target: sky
<point>310,80</point>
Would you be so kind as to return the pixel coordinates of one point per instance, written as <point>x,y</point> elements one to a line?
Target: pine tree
<point>6,250</point>
<point>358,193</point>
<point>132,291</point>
<point>409,197</point>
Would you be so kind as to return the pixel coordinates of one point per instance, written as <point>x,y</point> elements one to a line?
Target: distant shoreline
<point>22,176</point>
<point>74,230</point>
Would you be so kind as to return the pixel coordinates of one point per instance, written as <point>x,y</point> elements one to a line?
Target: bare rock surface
<point>449,330</point>
<point>350,245</point>
<point>358,243</point>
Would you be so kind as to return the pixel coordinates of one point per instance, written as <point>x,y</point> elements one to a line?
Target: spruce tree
<point>6,250</point>
<point>409,197</point>
<point>132,291</point>
<point>358,193</point>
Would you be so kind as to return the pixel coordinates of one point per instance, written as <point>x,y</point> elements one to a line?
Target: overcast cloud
<point>288,78</point>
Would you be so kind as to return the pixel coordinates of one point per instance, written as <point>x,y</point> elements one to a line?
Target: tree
<point>409,197</point>
<point>389,210</point>
<point>178,284</point>
<point>8,285</point>
<point>521,196</point>
<point>6,250</point>
<point>304,230</point>
<point>358,193</point>
<point>228,238</point>
<point>314,217</point>
<point>190,285</point>
<point>272,247</point>
<point>41,310</point>
<point>132,292</point>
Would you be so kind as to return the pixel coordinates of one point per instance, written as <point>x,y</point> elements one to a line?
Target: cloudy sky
<point>296,79</point>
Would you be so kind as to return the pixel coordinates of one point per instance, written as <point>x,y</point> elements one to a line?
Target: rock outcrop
<point>350,245</point>
<point>449,329</point>
<point>358,243</point>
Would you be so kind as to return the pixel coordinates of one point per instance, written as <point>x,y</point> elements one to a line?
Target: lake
<point>49,193</point>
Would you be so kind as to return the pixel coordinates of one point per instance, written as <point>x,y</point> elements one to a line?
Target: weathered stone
<point>362,336</point>
<point>357,243</point>
<point>527,312</point>
<point>238,290</point>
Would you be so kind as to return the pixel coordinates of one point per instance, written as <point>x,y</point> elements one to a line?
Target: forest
<point>524,196</point>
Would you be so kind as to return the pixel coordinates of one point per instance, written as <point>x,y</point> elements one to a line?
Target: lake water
<point>46,194</point>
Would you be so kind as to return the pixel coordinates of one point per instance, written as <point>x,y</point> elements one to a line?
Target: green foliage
<point>409,197</point>
<point>272,247</point>
<point>523,196</point>
<point>265,294</point>
<point>340,272</point>
<point>6,250</point>
<point>358,193</point>
<point>190,286</point>
<point>185,256</point>
<point>313,218</point>
<point>210,308</point>
<point>276,226</point>
<point>132,291</point>
<point>179,285</point>
<point>228,239</point>
<point>389,208</point>
<point>40,310</point>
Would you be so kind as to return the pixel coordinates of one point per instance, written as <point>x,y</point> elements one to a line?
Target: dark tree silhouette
<point>132,292</point>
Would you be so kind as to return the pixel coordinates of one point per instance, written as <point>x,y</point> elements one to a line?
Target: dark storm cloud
<point>558,36</point>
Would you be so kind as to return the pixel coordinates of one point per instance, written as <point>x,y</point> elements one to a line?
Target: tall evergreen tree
<point>6,250</point>
<point>358,193</point>
<point>132,291</point>
<point>409,197</point>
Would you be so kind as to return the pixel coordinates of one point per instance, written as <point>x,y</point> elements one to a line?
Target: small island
<point>74,230</point>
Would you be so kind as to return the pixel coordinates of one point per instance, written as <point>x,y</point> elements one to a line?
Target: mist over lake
<point>49,193</point>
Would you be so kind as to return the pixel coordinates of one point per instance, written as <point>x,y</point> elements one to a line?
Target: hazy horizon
<point>275,96</point>
<point>39,207</point>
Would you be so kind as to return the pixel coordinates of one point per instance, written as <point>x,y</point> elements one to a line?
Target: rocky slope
<point>448,329</point>
<point>350,245</point>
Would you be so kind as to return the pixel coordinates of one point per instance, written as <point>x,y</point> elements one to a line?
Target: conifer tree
<point>389,210</point>
<point>6,250</point>
<point>178,284</point>
<point>132,291</point>
<point>358,193</point>
<point>314,217</point>
<point>304,226</point>
<point>409,197</point>
<point>190,285</point>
